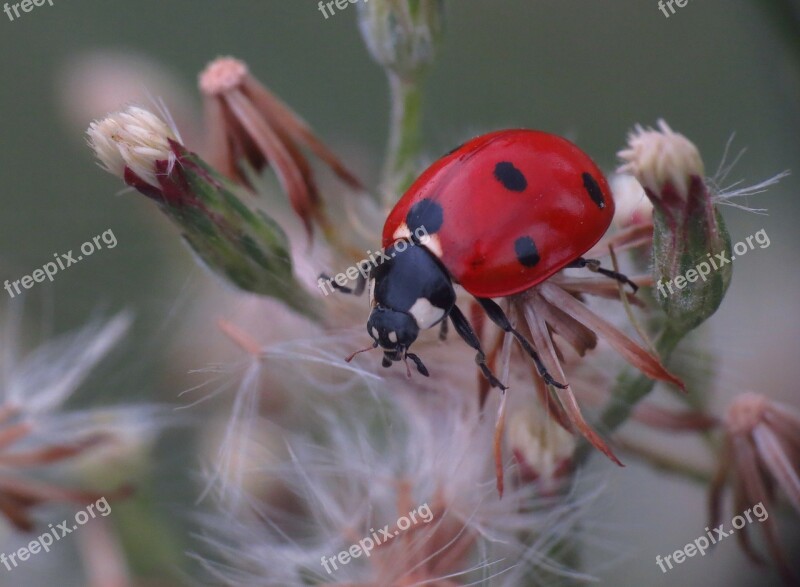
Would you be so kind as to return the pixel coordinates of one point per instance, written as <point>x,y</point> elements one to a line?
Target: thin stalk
<point>405,137</point>
<point>632,386</point>
<point>666,463</point>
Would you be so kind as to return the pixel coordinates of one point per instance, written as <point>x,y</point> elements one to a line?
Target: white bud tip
<point>658,157</point>
<point>134,138</point>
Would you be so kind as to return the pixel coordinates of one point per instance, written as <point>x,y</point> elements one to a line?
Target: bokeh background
<point>589,70</point>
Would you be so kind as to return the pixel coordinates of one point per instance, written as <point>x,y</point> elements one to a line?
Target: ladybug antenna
<point>408,369</point>
<point>349,358</point>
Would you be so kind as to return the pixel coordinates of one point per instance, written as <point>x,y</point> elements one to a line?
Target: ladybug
<point>497,216</point>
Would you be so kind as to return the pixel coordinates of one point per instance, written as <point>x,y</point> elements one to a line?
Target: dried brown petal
<point>774,458</point>
<point>630,350</point>
<point>544,344</point>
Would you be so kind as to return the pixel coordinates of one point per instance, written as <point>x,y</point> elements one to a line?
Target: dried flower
<point>232,471</point>
<point>761,452</point>
<point>36,437</point>
<point>552,308</point>
<point>244,246</point>
<point>356,471</point>
<point>247,123</point>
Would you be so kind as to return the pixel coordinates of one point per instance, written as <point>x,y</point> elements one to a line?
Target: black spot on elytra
<point>511,177</point>
<point>595,193</point>
<point>426,216</point>
<point>526,251</point>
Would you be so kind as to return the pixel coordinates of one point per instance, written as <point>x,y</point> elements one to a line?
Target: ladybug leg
<point>594,265</point>
<point>420,365</point>
<point>496,315</point>
<point>361,283</point>
<point>443,330</point>
<point>466,332</point>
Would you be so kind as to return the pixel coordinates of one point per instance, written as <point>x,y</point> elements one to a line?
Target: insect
<point>501,214</point>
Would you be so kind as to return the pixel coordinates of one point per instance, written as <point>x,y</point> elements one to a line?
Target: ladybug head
<point>394,331</point>
<point>409,292</point>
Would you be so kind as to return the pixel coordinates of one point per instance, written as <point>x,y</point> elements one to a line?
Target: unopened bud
<point>687,228</point>
<point>243,245</point>
<point>402,35</point>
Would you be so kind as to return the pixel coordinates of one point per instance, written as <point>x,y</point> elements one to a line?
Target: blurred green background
<point>590,70</point>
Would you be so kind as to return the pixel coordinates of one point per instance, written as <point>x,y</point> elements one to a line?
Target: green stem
<point>667,463</point>
<point>405,137</point>
<point>632,386</point>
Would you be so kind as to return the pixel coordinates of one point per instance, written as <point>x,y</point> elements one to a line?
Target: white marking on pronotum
<point>425,313</point>
<point>433,244</point>
<point>402,232</point>
<point>429,241</point>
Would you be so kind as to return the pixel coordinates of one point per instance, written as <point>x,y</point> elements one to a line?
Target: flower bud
<point>691,246</point>
<point>402,35</point>
<point>245,246</point>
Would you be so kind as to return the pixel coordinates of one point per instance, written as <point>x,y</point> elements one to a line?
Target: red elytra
<point>506,210</point>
